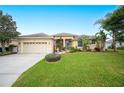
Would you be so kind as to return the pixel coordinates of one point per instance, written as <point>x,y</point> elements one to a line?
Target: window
<point>25,43</point>
<point>120,43</point>
<point>44,42</point>
<point>35,43</point>
<point>93,41</point>
<point>79,43</point>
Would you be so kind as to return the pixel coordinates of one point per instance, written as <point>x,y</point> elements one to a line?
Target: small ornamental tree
<point>101,36</point>
<point>59,44</point>
<point>85,42</point>
<point>8,30</point>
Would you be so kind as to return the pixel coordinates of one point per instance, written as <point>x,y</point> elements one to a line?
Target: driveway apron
<point>12,66</point>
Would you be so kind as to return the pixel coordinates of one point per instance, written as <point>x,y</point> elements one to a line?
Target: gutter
<point>37,37</point>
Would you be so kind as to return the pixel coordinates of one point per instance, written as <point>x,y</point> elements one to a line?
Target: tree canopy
<point>114,23</point>
<point>8,29</point>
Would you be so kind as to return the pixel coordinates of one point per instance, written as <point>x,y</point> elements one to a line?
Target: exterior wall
<point>118,44</point>
<point>14,42</point>
<point>75,44</point>
<point>92,46</point>
<point>107,44</point>
<point>49,43</point>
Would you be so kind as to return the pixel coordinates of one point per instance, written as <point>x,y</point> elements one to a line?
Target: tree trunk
<point>3,48</point>
<point>114,42</point>
<point>102,46</point>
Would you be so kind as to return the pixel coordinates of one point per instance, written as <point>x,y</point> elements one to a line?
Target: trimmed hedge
<point>52,57</point>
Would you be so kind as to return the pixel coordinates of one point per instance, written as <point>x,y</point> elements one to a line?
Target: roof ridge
<point>64,34</point>
<point>36,35</point>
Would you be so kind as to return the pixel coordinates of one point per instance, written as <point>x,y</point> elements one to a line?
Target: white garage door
<point>35,47</point>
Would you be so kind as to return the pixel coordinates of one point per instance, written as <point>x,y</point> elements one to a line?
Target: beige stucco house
<point>43,43</point>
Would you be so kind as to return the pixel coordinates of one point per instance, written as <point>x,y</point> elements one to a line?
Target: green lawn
<point>77,69</point>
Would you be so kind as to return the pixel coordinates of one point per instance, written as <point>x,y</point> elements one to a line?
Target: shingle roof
<point>64,34</point>
<point>36,35</point>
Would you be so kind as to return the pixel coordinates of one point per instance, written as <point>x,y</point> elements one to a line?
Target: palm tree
<point>101,36</point>
<point>105,24</point>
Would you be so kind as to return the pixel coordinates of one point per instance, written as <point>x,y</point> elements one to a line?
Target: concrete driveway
<point>12,66</point>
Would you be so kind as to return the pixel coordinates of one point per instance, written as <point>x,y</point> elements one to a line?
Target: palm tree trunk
<point>103,46</point>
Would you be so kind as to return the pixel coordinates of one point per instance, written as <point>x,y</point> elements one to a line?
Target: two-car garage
<point>36,45</point>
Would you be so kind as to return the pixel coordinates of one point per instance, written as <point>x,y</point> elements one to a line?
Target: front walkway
<point>12,66</point>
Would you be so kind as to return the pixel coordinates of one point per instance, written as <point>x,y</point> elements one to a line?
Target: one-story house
<point>109,43</point>
<point>43,43</point>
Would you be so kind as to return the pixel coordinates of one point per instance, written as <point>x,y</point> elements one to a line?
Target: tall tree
<point>101,36</point>
<point>113,22</point>
<point>7,30</point>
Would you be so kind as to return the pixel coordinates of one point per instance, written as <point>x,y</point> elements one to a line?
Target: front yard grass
<point>77,69</point>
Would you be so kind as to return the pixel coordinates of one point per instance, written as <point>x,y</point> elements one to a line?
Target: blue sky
<point>56,19</point>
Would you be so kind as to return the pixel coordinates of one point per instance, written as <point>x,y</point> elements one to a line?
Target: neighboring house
<point>118,44</point>
<point>43,43</point>
<point>13,42</point>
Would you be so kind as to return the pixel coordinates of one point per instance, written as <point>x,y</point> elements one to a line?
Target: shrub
<point>97,49</point>
<point>6,53</point>
<point>63,48</point>
<point>120,48</point>
<point>72,50</point>
<point>52,57</point>
<point>1,54</point>
<point>106,49</point>
<point>89,50</point>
